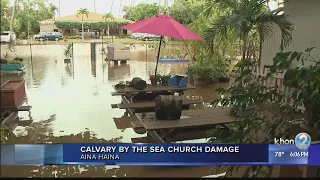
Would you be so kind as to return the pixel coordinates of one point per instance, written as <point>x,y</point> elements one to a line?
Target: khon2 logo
<point>302,141</point>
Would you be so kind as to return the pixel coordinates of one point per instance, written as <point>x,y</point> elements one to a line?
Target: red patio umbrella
<point>162,25</point>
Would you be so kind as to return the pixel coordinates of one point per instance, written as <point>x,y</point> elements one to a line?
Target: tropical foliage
<point>82,12</point>
<point>273,110</point>
<point>28,12</point>
<point>93,25</point>
<point>108,16</point>
<point>209,67</point>
<point>186,11</point>
<point>4,10</point>
<point>248,20</point>
<point>141,11</point>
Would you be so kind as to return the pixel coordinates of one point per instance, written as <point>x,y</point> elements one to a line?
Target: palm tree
<point>81,12</point>
<point>53,9</point>
<point>246,17</point>
<point>108,17</point>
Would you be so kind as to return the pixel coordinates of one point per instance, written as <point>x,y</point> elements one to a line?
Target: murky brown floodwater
<point>71,104</point>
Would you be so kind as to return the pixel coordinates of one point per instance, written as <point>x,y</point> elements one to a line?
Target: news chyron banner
<point>283,152</point>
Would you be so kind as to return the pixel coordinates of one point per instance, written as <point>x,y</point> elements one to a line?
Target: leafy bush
<point>22,35</point>
<point>14,62</point>
<point>75,37</point>
<point>18,59</point>
<point>273,114</point>
<point>91,25</point>
<point>209,67</point>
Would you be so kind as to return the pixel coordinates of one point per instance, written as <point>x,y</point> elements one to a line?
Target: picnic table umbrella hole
<point>162,25</point>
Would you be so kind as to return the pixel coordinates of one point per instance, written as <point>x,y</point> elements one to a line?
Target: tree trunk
<point>244,49</point>
<point>108,30</point>
<point>82,29</point>
<point>12,19</point>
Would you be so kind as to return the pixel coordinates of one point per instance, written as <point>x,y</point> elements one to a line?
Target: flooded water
<point>72,104</point>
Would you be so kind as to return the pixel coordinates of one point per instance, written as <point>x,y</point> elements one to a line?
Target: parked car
<point>136,35</point>
<point>52,36</point>
<point>147,37</point>
<point>5,37</point>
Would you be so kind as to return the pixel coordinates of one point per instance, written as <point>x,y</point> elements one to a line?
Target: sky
<point>70,7</point>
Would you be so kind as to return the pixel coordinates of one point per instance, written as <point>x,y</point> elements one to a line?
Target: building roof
<point>92,16</point>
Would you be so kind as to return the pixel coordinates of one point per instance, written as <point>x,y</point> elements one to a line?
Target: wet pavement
<point>72,104</point>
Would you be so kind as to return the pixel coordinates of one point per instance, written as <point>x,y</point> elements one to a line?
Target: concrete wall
<point>305,16</point>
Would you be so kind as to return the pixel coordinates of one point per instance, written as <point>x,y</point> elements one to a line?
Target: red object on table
<point>13,94</point>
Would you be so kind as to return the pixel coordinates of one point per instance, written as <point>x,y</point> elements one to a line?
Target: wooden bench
<point>137,125</point>
<point>164,130</point>
<point>142,105</point>
<point>21,108</point>
<point>191,118</point>
<point>150,88</point>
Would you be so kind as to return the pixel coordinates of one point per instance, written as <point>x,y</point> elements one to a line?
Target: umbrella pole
<point>155,72</point>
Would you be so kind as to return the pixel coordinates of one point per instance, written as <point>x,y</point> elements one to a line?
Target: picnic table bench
<point>149,106</point>
<point>149,88</point>
<point>149,93</point>
<point>143,100</point>
<point>192,119</point>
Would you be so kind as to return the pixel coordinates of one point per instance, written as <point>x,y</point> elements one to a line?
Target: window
<point>67,31</point>
<point>56,30</point>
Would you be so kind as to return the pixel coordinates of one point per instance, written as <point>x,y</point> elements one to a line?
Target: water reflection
<point>93,67</point>
<point>118,72</point>
<point>72,104</point>
<point>68,69</point>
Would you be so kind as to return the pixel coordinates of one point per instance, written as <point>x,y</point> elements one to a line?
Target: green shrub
<point>18,59</point>
<point>14,62</point>
<point>209,67</point>
<point>22,35</point>
<point>3,61</point>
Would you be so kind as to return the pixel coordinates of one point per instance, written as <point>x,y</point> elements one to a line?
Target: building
<point>305,17</point>
<point>94,25</point>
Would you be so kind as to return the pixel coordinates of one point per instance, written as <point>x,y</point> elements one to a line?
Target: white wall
<point>305,16</point>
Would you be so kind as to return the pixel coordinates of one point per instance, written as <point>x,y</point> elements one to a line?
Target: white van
<point>5,37</point>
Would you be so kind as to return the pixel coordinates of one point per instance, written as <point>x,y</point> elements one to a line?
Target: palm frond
<point>286,29</point>
<point>264,25</point>
<point>221,28</point>
<point>211,4</point>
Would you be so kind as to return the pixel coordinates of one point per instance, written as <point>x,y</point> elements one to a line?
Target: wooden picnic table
<point>149,88</point>
<point>191,119</point>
